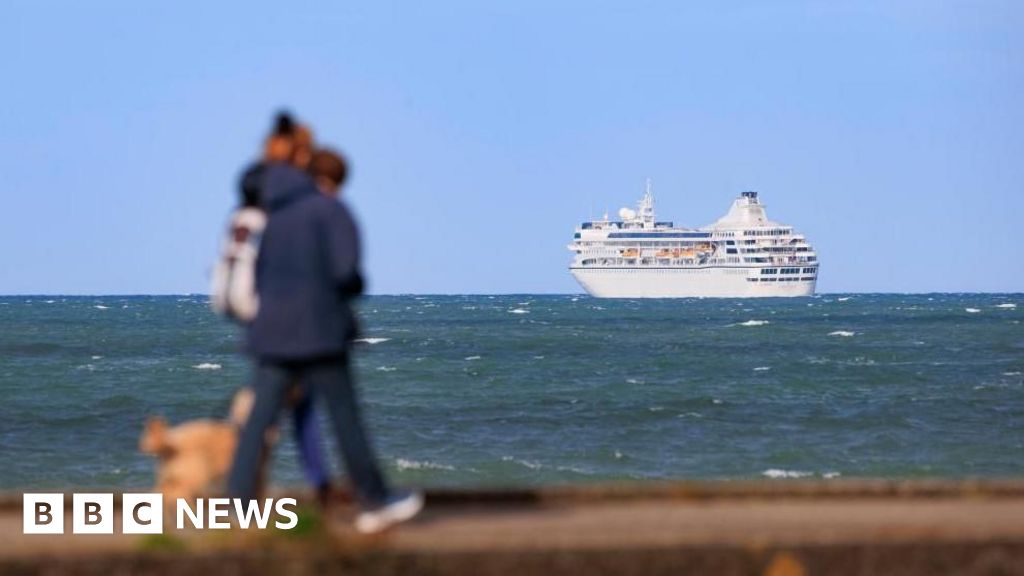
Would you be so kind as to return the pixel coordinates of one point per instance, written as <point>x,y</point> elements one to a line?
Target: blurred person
<point>290,143</point>
<point>329,171</point>
<point>234,293</point>
<point>307,274</point>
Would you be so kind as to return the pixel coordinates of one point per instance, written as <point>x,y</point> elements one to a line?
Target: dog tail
<point>241,406</point>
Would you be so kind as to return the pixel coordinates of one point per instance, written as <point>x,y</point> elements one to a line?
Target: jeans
<point>329,379</point>
<point>307,436</point>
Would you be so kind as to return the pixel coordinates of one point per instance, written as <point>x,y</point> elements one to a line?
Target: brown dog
<point>195,457</point>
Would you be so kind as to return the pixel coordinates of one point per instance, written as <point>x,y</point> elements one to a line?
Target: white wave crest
<point>972,310</point>
<point>843,333</point>
<point>404,464</point>
<point>532,465</point>
<point>1008,305</point>
<point>472,358</point>
<point>518,311</point>
<point>371,340</point>
<point>101,307</point>
<point>386,368</point>
<point>776,473</point>
<point>207,366</point>
<point>755,323</point>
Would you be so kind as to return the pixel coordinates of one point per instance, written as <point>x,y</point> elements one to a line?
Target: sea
<point>522,390</point>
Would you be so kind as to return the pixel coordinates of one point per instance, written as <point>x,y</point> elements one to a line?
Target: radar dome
<point>627,214</point>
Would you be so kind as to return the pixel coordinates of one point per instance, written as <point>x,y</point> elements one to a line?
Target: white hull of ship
<point>710,282</point>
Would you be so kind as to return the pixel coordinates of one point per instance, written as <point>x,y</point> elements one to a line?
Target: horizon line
<point>135,294</point>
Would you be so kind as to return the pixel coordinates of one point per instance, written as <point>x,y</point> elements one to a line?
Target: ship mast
<point>646,207</point>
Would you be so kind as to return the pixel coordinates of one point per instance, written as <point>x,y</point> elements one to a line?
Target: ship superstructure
<point>743,254</point>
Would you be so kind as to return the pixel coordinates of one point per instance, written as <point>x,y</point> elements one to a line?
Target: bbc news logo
<point>144,513</point>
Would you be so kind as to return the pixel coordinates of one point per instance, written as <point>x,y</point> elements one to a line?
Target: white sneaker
<point>398,508</point>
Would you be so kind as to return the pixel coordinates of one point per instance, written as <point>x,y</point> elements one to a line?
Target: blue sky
<point>891,133</point>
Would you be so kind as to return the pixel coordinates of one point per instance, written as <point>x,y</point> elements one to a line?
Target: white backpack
<point>233,293</point>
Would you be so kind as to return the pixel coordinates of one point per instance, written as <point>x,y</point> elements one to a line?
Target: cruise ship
<point>742,255</point>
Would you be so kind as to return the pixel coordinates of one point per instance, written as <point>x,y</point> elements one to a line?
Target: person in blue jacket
<point>307,274</point>
<point>291,143</point>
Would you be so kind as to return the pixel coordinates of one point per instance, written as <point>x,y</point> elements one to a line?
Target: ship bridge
<point>745,211</point>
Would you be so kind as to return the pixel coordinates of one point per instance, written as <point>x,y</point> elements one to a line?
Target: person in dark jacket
<point>306,276</point>
<point>291,143</point>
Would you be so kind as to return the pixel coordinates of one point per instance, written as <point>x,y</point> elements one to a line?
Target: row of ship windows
<point>770,250</point>
<point>652,261</point>
<point>602,243</point>
<point>590,225</point>
<point>811,270</point>
<point>646,271</point>
<point>632,262</point>
<point>782,249</point>
<point>668,270</point>
<point>659,235</point>
<point>577,236</point>
<point>772,232</point>
<point>791,259</point>
<point>788,279</point>
<point>619,226</point>
<point>684,245</point>
<point>755,242</point>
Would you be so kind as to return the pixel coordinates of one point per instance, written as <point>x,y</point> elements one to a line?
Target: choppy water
<point>481,390</point>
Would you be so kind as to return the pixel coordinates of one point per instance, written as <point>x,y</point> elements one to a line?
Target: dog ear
<point>154,436</point>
